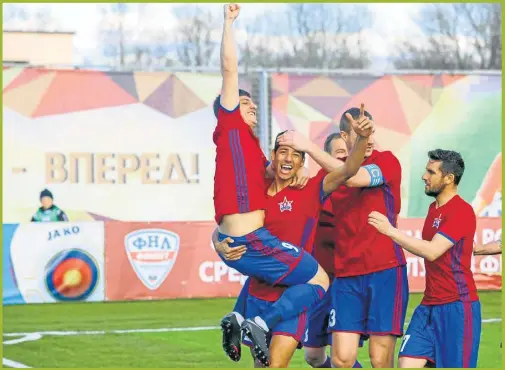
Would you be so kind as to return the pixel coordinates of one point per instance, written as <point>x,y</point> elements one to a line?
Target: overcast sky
<point>388,21</point>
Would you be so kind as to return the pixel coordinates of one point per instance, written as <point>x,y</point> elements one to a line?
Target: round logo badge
<point>71,275</point>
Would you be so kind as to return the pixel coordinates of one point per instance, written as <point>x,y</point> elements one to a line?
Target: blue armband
<point>376,178</point>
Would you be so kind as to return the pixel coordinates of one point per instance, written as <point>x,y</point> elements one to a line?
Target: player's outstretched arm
<point>487,249</point>
<point>363,126</point>
<point>229,61</point>
<point>299,142</point>
<point>429,250</point>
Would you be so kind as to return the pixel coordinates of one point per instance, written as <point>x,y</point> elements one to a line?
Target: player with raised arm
<point>240,201</point>
<point>445,328</point>
<point>370,290</point>
<point>292,215</point>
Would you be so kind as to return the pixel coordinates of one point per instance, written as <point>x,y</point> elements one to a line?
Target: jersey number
<point>331,321</point>
<point>404,342</point>
<point>289,246</point>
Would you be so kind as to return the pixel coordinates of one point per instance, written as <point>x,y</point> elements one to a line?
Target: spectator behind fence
<point>48,212</point>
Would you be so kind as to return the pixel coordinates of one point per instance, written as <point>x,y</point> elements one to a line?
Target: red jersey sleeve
<point>230,118</point>
<point>390,167</point>
<point>317,186</point>
<point>457,224</point>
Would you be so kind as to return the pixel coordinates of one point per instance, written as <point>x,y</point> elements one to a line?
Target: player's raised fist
<point>231,12</point>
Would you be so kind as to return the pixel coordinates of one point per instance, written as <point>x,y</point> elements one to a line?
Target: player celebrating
<point>292,215</point>
<point>445,328</point>
<point>240,201</point>
<point>316,337</point>
<point>370,290</point>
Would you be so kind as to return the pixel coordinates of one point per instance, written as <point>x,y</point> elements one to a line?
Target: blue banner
<point>11,293</point>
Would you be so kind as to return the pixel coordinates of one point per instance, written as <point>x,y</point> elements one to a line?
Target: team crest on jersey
<point>152,254</point>
<point>437,221</point>
<point>286,205</point>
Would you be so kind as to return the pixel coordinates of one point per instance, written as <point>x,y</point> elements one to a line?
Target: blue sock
<point>294,301</point>
<point>327,364</point>
<point>357,364</point>
<point>240,304</point>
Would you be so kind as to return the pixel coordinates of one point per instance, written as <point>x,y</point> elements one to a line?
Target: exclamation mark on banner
<point>194,176</point>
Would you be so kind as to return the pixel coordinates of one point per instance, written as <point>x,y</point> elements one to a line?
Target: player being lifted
<point>445,328</point>
<point>292,215</point>
<point>240,201</point>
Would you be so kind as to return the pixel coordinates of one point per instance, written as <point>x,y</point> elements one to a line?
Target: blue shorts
<point>446,335</point>
<point>317,335</point>
<point>371,304</point>
<point>291,328</point>
<point>272,260</point>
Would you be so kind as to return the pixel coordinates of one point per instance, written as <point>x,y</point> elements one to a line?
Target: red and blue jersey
<point>291,215</point>
<point>359,248</point>
<point>449,278</point>
<point>239,180</point>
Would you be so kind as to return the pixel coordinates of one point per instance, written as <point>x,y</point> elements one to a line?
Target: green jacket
<point>52,214</point>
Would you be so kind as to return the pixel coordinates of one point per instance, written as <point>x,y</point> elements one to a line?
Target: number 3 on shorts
<point>404,342</point>
<point>289,246</point>
<point>331,320</point>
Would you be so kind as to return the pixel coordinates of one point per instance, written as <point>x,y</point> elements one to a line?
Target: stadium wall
<point>117,261</point>
<point>120,149</point>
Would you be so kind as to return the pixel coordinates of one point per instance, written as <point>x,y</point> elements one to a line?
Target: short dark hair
<point>354,112</point>
<point>217,101</point>
<point>329,140</point>
<point>276,145</point>
<point>452,162</point>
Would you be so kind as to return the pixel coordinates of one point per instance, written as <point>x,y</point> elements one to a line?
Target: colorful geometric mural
<point>413,114</point>
<point>99,140</point>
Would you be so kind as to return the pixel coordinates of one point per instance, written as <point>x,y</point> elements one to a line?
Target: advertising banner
<point>165,260</point>
<point>177,260</point>
<point>53,262</point>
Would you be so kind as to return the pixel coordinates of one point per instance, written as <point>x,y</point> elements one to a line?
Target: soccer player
<point>240,201</point>
<point>292,215</point>
<point>370,289</point>
<point>445,328</point>
<point>316,337</point>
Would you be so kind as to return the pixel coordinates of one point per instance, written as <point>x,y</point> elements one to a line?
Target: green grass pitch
<point>104,346</point>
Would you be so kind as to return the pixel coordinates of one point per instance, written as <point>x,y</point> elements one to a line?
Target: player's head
<point>46,199</point>
<point>444,170</point>
<point>348,133</point>
<point>286,160</point>
<point>247,107</point>
<point>335,146</point>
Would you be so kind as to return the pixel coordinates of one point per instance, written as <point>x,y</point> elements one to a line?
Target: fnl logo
<point>152,254</point>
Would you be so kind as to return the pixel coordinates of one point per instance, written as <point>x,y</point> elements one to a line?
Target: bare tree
<point>458,37</point>
<point>309,36</point>
<point>195,44</point>
<point>27,18</point>
<point>127,37</point>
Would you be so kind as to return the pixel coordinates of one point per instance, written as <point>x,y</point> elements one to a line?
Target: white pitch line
<point>26,338</point>
<point>14,364</point>
<point>159,330</point>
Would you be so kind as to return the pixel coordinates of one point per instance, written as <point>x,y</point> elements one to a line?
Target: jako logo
<point>152,254</point>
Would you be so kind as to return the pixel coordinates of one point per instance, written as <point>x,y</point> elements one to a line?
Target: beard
<point>434,191</point>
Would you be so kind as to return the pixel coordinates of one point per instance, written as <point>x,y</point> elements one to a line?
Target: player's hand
<point>363,126</point>
<point>229,254</point>
<point>231,12</point>
<point>301,178</point>
<point>295,140</point>
<point>380,222</point>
